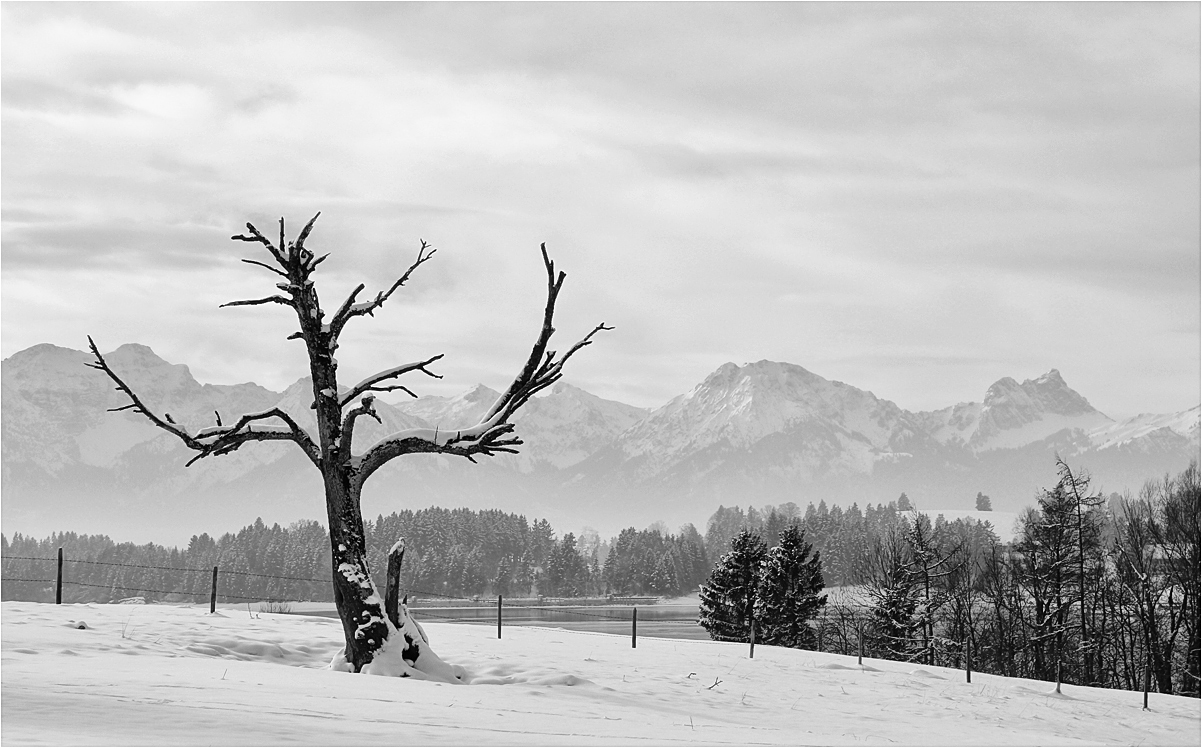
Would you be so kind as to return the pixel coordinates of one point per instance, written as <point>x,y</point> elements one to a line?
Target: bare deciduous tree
<point>381,641</point>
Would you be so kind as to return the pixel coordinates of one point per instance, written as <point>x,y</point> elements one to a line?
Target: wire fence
<point>468,611</point>
<point>123,589</point>
<point>843,627</point>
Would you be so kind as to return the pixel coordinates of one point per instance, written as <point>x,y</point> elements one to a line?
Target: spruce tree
<point>728,596</point>
<point>790,592</point>
<point>893,617</point>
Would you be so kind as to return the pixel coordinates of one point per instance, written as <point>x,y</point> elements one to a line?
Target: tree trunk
<point>359,605</point>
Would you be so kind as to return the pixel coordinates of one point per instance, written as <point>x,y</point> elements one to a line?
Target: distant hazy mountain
<point>1013,415</point>
<point>763,432</point>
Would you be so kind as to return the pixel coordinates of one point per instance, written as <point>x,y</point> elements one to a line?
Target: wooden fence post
<point>213,594</point>
<point>498,616</point>
<point>58,581</point>
<point>860,647</point>
<point>752,640</point>
<point>1146,705</point>
<point>634,623</point>
<point>968,667</point>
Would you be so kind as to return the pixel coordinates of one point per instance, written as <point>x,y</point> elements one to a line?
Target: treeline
<point>453,553</point>
<point>1091,592</point>
<point>259,562</point>
<point>845,539</point>
<point>449,553</point>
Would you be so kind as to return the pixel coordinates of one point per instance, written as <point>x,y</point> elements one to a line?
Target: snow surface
<point>166,675</point>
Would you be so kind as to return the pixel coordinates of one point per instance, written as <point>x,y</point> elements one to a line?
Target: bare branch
<point>345,307</point>
<point>370,383</point>
<point>229,438</point>
<point>277,271</point>
<point>412,441</point>
<point>489,435</point>
<point>225,439</point>
<point>305,233</point>
<point>284,251</point>
<point>255,236</point>
<point>277,299</point>
<point>136,402</point>
<point>350,309</point>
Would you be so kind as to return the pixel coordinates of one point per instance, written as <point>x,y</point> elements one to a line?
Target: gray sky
<point>914,199</point>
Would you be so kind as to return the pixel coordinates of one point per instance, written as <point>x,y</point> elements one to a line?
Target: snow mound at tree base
<point>164,675</point>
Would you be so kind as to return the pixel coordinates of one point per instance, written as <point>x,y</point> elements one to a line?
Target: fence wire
<point>567,610</point>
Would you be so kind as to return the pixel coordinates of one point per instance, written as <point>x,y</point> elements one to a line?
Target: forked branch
<point>373,383</point>
<point>491,434</point>
<point>350,308</point>
<point>215,440</point>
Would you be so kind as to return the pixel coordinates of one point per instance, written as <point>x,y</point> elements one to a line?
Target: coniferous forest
<point>1094,590</point>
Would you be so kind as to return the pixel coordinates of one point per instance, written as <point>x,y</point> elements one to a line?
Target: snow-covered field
<point>165,675</point>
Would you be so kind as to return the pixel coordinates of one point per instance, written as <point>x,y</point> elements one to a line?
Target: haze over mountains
<point>764,432</point>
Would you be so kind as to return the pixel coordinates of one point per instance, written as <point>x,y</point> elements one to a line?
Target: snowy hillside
<point>164,675</point>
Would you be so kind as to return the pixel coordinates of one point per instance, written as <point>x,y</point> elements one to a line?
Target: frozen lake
<point>658,620</point>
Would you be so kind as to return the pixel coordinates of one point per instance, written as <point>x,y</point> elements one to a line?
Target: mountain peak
<point>480,393</point>
<point>1013,413</point>
<point>136,349</point>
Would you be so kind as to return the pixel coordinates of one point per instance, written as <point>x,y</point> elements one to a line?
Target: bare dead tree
<point>1088,528</point>
<point>367,627</point>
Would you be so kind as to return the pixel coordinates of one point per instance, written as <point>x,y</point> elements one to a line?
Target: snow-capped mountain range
<point>753,434</point>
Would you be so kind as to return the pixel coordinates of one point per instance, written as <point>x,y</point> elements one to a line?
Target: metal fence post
<point>634,623</point>
<point>498,616</point>
<point>58,581</point>
<point>213,594</point>
<point>752,641</point>
<point>860,647</point>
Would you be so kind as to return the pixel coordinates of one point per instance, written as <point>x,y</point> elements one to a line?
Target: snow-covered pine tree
<point>728,596</point>
<point>894,622</point>
<point>895,593</point>
<point>790,592</point>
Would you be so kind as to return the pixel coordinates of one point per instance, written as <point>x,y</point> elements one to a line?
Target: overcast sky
<point>914,199</point>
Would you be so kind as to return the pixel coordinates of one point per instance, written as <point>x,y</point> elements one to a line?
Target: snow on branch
<point>492,434</point>
<point>372,383</point>
<point>276,299</point>
<point>351,309</point>
<point>215,440</point>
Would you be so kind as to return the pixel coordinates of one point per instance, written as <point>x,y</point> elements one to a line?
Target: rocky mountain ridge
<point>753,434</point>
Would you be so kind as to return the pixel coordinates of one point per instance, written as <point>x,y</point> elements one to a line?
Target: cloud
<point>946,187</point>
